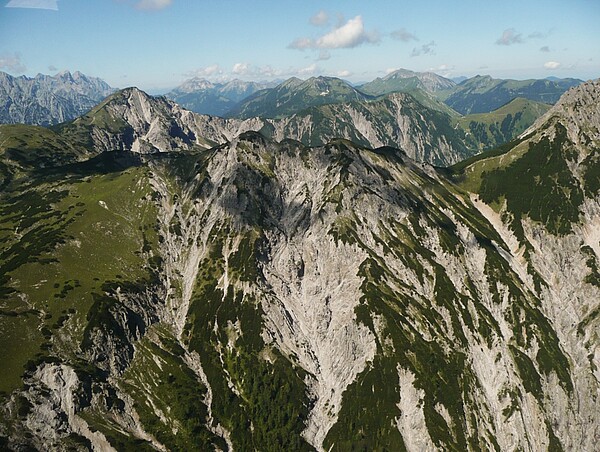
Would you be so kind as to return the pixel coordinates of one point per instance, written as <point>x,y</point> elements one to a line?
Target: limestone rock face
<point>45,100</point>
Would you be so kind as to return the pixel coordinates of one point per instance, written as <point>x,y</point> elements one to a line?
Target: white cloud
<point>320,19</point>
<point>390,70</point>
<point>349,35</point>
<point>403,35</point>
<point>307,70</point>
<point>12,63</point>
<point>345,36</point>
<point>248,71</point>
<point>425,49</point>
<point>445,67</point>
<point>208,71</point>
<point>509,37</point>
<point>153,4</point>
<point>38,4</point>
<point>552,65</point>
<point>302,43</point>
<point>344,73</point>
<point>240,68</point>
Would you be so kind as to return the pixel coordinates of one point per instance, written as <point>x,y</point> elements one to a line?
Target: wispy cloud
<point>344,73</point>
<point>552,65</point>
<point>345,36</point>
<point>152,5</point>
<point>425,49</point>
<point>302,43</point>
<point>240,68</point>
<point>323,55</point>
<point>308,70</point>
<point>403,35</point>
<point>320,19</point>
<point>208,71</point>
<point>541,34</point>
<point>12,63</point>
<point>545,49</point>
<point>509,37</point>
<point>251,72</point>
<point>52,68</point>
<point>37,4</point>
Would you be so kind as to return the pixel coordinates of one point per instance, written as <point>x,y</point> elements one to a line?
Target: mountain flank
<point>266,295</point>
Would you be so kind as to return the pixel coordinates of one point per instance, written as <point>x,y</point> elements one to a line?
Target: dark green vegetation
<point>404,81</point>
<point>295,95</point>
<point>556,195</point>
<point>490,130</point>
<point>483,94</point>
<point>540,167</point>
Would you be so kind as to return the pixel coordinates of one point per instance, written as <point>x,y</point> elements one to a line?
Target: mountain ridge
<point>481,94</point>
<point>46,100</point>
<point>405,80</point>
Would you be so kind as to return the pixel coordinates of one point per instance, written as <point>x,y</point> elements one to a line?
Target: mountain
<point>490,130</point>
<point>202,96</point>
<point>397,120</point>
<point>269,296</point>
<point>45,100</point>
<point>294,95</point>
<point>130,120</point>
<point>482,94</point>
<point>404,80</point>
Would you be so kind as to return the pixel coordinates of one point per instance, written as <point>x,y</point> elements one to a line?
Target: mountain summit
<point>295,95</point>
<point>404,80</point>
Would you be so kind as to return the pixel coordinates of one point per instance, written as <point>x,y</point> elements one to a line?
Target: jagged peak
<point>400,73</point>
<point>131,92</point>
<point>586,94</point>
<point>292,81</point>
<point>577,109</point>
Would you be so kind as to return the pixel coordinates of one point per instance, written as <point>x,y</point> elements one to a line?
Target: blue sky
<point>157,44</point>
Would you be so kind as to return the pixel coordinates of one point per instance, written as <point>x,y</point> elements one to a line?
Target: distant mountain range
<point>217,99</point>
<point>295,95</point>
<point>482,94</point>
<point>479,94</point>
<point>405,81</point>
<point>453,120</point>
<point>45,99</point>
